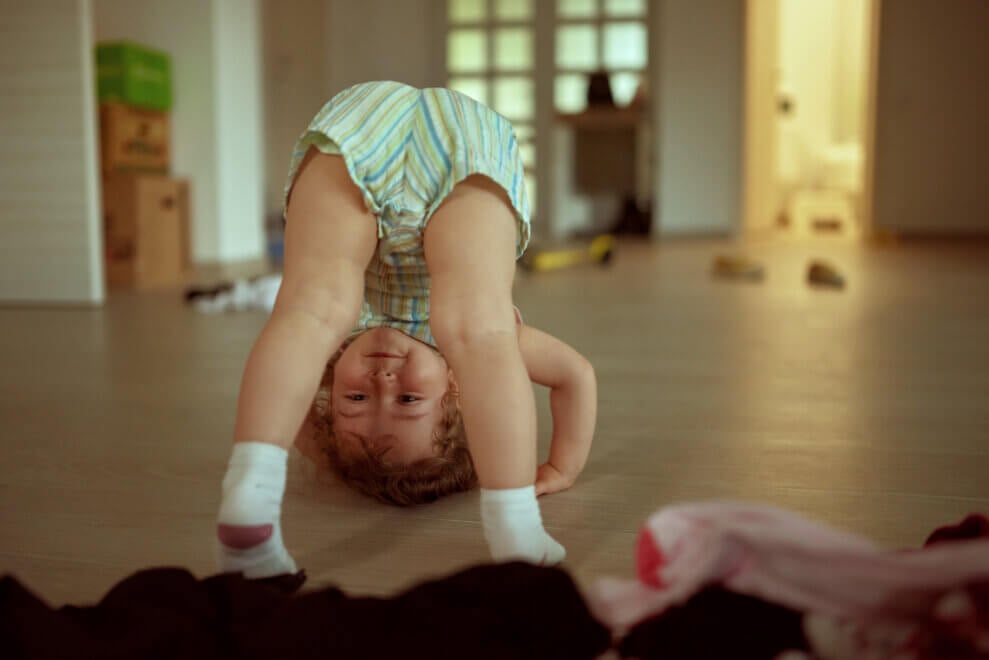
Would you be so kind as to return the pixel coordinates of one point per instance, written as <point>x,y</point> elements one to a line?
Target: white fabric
<point>252,495</point>
<point>513,527</point>
<point>256,294</point>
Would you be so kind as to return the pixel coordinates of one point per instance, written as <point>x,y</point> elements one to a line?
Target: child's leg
<point>329,239</point>
<point>470,248</point>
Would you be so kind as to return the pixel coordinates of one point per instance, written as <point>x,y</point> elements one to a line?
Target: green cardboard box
<point>135,75</point>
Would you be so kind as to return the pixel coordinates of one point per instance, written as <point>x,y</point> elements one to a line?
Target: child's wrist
<point>565,469</point>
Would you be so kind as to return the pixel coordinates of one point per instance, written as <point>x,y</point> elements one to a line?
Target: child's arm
<point>573,400</point>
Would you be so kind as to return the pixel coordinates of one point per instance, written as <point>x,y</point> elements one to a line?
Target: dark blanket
<point>717,623</point>
<point>495,611</point>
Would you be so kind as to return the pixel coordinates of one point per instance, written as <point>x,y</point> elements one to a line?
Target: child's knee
<point>326,304</point>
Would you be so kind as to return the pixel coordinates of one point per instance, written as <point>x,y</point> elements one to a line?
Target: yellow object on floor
<point>599,251</point>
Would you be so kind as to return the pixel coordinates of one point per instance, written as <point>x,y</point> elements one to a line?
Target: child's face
<point>388,390</point>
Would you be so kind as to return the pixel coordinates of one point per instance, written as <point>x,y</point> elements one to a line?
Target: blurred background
<point>659,118</point>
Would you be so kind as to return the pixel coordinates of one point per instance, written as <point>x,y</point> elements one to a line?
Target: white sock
<point>249,535</point>
<point>513,527</point>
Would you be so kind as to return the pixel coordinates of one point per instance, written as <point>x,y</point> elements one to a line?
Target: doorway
<point>808,108</point>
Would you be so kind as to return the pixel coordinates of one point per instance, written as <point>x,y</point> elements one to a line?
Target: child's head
<point>389,421</point>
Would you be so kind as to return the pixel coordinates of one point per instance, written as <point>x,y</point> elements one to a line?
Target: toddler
<point>406,210</point>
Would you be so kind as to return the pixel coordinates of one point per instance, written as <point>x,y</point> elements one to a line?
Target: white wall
<point>294,82</point>
<point>385,40</point>
<point>850,76</point>
<point>227,179</point>
<point>698,114</point>
<point>807,61</point>
<point>50,239</point>
<point>572,209</point>
<point>931,131</point>
<point>316,48</point>
<point>239,129</point>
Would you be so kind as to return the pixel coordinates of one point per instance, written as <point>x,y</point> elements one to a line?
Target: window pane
<point>467,50</point>
<point>465,11</point>
<point>514,97</point>
<point>577,8</point>
<point>513,10</point>
<point>625,7</point>
<point>513,49</point>
<point>570,92</point>
<point>476,88</point>
<point>624,86</point>
<point>576,47</point>
<point>625,45</point>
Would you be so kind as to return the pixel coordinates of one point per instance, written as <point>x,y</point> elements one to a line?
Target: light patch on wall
<point>513,10</point>
<point>467,11</point>
<point>467,50</point>
<point>513,49</point>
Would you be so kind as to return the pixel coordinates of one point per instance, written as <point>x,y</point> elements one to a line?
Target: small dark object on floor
<point>634,219</point>
<point>196,292</point>
<point>734,267</point>
<point>823,274</point>
<point>827,225</point>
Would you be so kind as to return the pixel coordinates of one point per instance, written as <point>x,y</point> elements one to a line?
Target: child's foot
<point>248,531</point>
<point>514,529</point>
<point>265,558</point>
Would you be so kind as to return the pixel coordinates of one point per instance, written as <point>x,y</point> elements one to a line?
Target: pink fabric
<point>956,628</point>
<point>242,537</point>
<point>782,558</point>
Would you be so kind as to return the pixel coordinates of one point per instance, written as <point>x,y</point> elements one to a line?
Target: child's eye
<point>409,398</point>
<point>357,397</point>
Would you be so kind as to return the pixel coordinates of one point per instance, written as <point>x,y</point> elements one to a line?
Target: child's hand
<point>573,403</point>
<point>550,480</point>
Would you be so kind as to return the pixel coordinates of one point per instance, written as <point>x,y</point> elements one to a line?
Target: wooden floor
<point>867,408</point>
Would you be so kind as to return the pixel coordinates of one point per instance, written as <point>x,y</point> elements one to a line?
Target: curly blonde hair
<point>365,469</point>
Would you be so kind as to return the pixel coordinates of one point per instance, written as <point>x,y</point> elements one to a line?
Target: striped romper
<point>406,148</point>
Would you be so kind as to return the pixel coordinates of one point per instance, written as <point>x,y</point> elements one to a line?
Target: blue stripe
<point>432,176</point>
<point>427,119</point>
<point>372,116</point>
